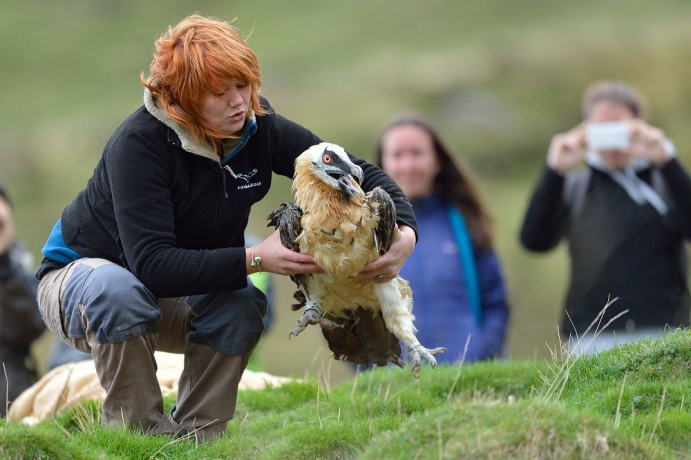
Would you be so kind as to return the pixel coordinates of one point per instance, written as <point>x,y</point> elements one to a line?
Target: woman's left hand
<point>388,265</point>
<point>648,142</point>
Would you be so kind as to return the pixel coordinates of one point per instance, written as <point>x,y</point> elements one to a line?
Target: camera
<point>613,135</point>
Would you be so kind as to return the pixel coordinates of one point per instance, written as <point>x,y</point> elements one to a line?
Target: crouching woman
<point>150,255</point>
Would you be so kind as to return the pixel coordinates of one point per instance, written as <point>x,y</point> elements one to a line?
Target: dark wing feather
<point>287,220</point>
<point>363,339</point>
<point>387,217</point>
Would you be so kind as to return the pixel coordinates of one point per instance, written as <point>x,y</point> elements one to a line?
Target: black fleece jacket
<point>168,210</point>
<point>617,249</point>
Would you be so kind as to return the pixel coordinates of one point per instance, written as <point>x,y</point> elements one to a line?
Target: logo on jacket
<point>248,176</point>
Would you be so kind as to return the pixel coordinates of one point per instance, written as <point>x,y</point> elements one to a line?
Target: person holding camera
<point>626,215</point>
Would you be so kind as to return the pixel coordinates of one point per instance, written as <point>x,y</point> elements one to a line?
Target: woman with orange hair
<point>150,255</point>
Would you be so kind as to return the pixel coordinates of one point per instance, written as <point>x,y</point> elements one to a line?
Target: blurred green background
<point>500,78</point>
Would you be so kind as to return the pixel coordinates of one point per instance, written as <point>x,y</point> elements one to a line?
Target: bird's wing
<point>363,338</point>
<point>382,204</point>
<point>287,220</point>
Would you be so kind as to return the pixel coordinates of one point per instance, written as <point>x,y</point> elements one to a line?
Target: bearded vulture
<point>345,229</point>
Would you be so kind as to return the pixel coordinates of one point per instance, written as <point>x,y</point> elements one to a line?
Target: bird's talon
<point>312,315</point>
<point>417,352</point>
<point>416,368</point>
<point>295,332</point>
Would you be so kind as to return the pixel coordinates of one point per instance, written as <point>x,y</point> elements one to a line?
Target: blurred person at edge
<point>625,214</point>
<point>20,321</point>
<point>453,271</point>
<point>151,254</point>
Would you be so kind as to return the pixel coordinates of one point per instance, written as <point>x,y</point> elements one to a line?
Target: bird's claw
<point>295,332</point>
<point>312,315</point>
<point>417,352</point>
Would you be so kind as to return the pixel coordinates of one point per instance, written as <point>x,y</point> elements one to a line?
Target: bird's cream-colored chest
<point>342,244</point>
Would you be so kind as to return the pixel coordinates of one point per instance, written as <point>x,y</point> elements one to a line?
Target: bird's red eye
<point>326,158</point>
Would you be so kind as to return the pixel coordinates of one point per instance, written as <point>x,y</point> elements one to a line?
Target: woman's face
<point>408,156</point>
<point>605,111</point>
<point>227,110</point>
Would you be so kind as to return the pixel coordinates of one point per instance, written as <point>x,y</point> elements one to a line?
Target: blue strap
<point>465,248</point>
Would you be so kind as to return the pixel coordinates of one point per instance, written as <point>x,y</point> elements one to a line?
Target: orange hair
<point>193,59</point>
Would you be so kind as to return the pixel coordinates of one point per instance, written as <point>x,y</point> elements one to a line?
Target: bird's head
<point>329,163</point>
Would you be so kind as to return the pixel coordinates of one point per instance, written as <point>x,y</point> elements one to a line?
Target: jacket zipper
<point>225,191</point>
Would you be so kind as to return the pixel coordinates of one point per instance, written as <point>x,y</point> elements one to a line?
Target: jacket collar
<point>187,141</point>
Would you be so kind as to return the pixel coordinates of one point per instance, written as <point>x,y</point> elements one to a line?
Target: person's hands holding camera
<point>567,150</point>
<point>648,142</point>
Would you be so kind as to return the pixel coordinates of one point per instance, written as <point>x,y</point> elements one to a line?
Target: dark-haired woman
<point>455,274</point>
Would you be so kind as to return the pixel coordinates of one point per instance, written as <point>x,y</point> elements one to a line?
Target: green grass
<point>628,402</point>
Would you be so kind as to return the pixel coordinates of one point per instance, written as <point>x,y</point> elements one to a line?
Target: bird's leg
<point>312,315</point>
<point>417,351</point>
<point>396,302</point>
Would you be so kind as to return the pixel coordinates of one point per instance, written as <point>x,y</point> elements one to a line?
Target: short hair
<point>193,59</point>
<point>613,91</point>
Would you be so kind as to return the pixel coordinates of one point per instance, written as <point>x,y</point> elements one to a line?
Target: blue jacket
<point>440,295</point>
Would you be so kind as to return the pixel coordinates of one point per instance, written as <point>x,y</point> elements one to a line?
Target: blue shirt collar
<point>250,130</point>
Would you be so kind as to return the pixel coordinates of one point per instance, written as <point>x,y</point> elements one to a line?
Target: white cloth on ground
<point>65,386</point>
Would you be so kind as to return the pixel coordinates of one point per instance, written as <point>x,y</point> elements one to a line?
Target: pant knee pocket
<point>117,305</point>
<point>49,305</point>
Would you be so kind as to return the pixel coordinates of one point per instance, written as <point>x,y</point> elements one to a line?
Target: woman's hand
<point>567,149</point>
<point>648,142</point>
<point>276,258</point>
<point>388,265</point>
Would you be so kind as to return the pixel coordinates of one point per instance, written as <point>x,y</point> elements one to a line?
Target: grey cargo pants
<point>101,308</point>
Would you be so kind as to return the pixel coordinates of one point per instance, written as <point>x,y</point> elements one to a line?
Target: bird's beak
<point>346,175</point>
<point>356,171</point>
<point>346,182</point>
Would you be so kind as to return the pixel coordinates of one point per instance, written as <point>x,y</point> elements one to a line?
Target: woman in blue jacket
<point>151,254</point>
<point>454,273</point>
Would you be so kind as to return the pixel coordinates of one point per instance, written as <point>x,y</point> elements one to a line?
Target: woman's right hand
<point>276,258</point>
<point>567,149</point>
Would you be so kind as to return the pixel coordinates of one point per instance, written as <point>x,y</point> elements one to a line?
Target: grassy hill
<point>628,402</point>
<point>499,77</point>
